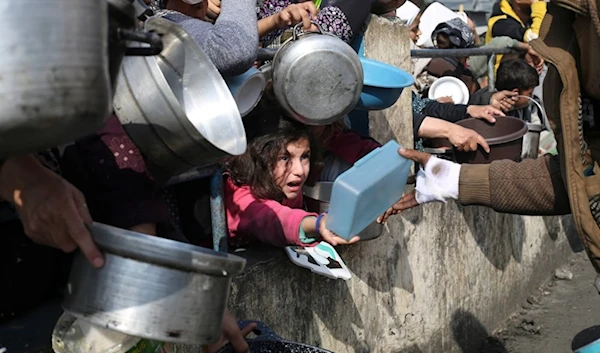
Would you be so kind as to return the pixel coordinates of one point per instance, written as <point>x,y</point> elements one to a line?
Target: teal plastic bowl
<point>593,347</point>
<point>382,85</point>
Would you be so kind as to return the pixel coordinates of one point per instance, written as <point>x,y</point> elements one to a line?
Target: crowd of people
<point>50,197</point>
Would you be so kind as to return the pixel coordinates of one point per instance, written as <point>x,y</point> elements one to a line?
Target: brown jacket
<point>570,43</point>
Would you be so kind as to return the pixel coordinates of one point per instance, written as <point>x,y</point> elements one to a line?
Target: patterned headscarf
<point>459,33</point>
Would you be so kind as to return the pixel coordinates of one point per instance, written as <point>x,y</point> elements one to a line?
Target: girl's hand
<point>296,13</point>
<point>331,237</point>
<point>466,139</point>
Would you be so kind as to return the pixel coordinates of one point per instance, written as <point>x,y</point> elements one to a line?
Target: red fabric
<point>350,146</point>
<point>268,221</point>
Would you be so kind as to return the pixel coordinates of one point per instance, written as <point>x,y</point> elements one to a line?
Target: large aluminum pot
<point>54,76</point>
<point>176,106</point>
<point>152,287</point>
<point>317,77</point>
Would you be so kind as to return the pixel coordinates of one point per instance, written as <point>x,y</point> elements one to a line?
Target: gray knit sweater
<point>232,42</point>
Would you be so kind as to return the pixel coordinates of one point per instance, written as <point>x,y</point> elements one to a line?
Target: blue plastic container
<point>365,191</point>
<point>382,84</point>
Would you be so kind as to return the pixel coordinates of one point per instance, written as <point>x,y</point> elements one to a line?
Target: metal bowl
<point>152,287</point>
<point>176,106</point>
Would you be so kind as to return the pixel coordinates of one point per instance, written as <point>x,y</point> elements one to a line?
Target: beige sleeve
<point>531,187</point>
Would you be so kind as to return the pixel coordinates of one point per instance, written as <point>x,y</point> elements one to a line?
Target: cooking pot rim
<point>505,138</point>
<point>165,252</point>
<point>206,70</point>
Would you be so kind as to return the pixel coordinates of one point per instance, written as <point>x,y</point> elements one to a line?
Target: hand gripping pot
<point>152,287</point>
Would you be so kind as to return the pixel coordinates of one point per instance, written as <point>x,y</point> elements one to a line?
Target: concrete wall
<point>440,280</point>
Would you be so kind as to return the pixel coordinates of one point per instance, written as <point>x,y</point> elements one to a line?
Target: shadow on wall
<point>553,228</point>
<point>471,336</point>
<point>388,252</point>
<point>487,226</point>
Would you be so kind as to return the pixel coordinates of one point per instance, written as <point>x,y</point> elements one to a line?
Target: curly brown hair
<point>255,167</point>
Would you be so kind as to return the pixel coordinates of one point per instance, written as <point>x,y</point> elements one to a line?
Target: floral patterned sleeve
<point>330,18</point>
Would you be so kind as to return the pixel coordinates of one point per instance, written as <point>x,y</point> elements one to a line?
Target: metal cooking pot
<point>531,140</point>
<point>176,106</point>
<point>505,138</point>
<point>269,342</point>
<point>317,77</point>
<point>152,287</point>
<point>321,192</point>
<point>122,20</point>
<point>54,75</point>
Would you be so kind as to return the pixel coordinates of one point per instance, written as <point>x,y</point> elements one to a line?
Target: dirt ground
<point>559,317</point>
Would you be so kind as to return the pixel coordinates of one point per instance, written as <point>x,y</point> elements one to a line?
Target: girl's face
<point>292,168</point>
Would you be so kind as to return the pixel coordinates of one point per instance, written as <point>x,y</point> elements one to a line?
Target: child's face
<point>523,102</point>
<point>292,168</point>
<point>414,31</point>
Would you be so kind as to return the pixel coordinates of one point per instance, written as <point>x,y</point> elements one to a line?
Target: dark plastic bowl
<point>505,138</point>
<point>382,84</point>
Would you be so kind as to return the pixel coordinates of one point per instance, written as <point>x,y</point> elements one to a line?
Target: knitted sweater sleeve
<point>531,187</point>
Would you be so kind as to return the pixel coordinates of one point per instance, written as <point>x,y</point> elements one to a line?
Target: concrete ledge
<point>443,279</point>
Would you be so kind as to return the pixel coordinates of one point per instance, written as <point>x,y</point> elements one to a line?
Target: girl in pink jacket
<point>263,191</point>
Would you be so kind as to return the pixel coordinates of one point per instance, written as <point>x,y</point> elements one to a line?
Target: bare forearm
<point>266,26</point>
<point>434,128</point>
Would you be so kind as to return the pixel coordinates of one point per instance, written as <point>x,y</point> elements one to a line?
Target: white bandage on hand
<point>438,181</point>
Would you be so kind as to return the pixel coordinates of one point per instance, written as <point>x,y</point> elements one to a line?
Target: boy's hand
<point>504,100</point>
<point>534,59</point>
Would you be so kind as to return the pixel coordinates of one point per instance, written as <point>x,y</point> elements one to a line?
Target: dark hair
<point>255,167</point>
<point>443,41</point>
<point>516,74</point>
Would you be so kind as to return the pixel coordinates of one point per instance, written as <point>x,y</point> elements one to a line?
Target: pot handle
<point>152,38</point>
<point>544,117</point>
<point>297,29</point>
<point>262,331</point>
